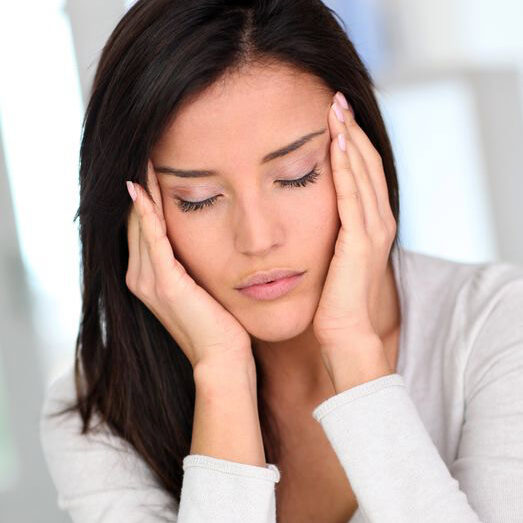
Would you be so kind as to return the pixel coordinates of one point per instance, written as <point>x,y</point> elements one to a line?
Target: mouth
<point>267,277</point>
<point>272,289</point>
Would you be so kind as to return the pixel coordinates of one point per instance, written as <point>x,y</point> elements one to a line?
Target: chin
<point>277,326</point>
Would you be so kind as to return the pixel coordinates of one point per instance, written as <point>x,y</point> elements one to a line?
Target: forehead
<point>245,115</point>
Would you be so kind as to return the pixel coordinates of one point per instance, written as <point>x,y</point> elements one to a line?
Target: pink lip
<point>273,290</point>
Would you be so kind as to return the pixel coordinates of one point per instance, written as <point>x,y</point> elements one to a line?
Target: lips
<point>267,276</point>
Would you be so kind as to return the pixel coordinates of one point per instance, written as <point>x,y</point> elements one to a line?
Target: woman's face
<point>254,224</point>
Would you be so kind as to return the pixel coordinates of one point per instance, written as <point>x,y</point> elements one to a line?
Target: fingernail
<point>339,112</point>
<point>342,100</point>
<point>341,142</point>
<point>131,189</point>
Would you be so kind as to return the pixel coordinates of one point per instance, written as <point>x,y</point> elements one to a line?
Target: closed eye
<point>311,177</point>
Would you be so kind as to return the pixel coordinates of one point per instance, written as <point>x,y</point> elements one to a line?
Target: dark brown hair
<point>162,54</point>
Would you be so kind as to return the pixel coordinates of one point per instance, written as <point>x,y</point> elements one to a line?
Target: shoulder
<point>55,430</point>
<point>434,289</point>
<point>472,308</point>
<point>98,476</point>
<point>432,274</point>
<point>485,324</point>
<point>468,286</point>
<point>493,285</point>
<point>492,316</point>
<point>64,432</point>
<point>59,394</point>
<point>72,457</point>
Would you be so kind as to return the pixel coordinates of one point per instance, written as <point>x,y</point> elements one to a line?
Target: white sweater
<point>440,440</point>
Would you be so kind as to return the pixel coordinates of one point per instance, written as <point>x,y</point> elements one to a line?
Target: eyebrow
<point>193,173</point>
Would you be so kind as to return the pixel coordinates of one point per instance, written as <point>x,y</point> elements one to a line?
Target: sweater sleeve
<point>392,464</point>
<point>220,490</point>
<point>489,466</point>
<point>100,478</point>
<point>395,469</point>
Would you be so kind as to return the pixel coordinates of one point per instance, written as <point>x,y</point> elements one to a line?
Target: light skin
<point>256,224</point>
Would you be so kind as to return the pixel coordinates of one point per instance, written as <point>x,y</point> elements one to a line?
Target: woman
<point>345,390</point>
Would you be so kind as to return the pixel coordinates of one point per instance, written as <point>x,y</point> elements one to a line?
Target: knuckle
<point>377,159</point>
<point>148,214</point>
<point>390,224</point>
<point>143,288</point>
<point>382,235</point>
<point>129,281</point>
<point>351,196</point>
<point>393,227</point>
<point>351,123</point>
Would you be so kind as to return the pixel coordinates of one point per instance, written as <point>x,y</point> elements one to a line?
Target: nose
<point>258,228</point>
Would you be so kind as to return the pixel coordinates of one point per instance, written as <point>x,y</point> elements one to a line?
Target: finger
<point>133,242</point>
<point>154,188</point>
<point>147,274</point>
<point>348,196</point>
<point>159,248</point>
<point>372,216</point>
<point>374,163</point>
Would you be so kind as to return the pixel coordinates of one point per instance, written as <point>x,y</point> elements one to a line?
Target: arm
<point>226,477</point>
<point>393,465</point>
<point>226,423</point>
<point>489,464</point>
<point>101,479</point>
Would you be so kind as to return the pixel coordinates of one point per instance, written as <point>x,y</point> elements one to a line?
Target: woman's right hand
<point>200,325</point>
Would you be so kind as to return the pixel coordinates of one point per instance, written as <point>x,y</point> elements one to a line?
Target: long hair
<point>128,369</point>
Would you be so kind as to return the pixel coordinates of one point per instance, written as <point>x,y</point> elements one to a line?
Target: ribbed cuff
<point>270,472</point>
<point>364,389</point>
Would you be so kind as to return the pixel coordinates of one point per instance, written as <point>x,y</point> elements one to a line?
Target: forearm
<point>226,423</point>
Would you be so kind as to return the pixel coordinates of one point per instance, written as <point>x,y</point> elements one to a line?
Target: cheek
<point>312,223</point>
<point>193,255</point>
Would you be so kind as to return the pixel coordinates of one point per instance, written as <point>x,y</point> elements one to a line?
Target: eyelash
<point>309,178</point>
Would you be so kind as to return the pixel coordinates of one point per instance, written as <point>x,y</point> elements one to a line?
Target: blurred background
<point>448,79</point>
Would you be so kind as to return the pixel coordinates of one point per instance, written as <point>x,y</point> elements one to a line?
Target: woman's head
<point>208,84</point>
<point>252,222</point>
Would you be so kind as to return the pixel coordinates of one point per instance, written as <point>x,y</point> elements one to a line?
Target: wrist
<point>355,362</point>
<point>225,373</point>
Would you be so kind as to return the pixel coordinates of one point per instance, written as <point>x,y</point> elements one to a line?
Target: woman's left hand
<point>349,305</point>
